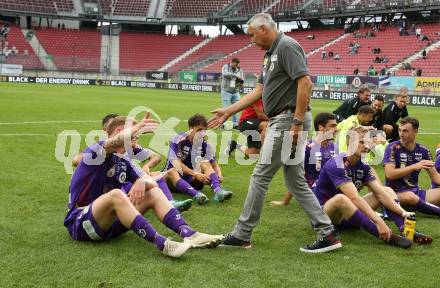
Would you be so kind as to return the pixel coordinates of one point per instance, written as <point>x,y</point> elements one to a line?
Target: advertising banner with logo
<point>209,77</point>
<point>427,84</point>
<point>156,75</point>
<point>188,76</point>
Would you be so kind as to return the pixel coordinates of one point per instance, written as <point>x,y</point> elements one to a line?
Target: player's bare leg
<point>284,202</point>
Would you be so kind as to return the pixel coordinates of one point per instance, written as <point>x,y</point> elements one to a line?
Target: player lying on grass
<point>338,186</point>
<point>99,209</point>
<point>404,159</point>
<point>252,123</point>
<point>194,158</point>
<point>143,154</point>
<point>318,151</point>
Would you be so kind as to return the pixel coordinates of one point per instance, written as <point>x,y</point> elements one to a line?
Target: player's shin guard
<point>175,222</point>
<point>145,230</point>
<point>427,208</point>
<point>164,187</point>
<point>215,182</point>
<point>185,187</point>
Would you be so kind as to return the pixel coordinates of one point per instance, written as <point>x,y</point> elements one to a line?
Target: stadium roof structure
<point>211,12</point>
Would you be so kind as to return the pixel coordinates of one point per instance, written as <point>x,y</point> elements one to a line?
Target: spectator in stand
<point>383,72</point>
<point>310,37</point>
<point>418,32</point>
<point>424,54</point>
<point>413,72</point>
<point>337,57</point>
<point>59,26</point>
<point>419,72</point>
<point>63,26</point>
<point>406,66</point>
<point>372,71</point>
<point>412,30</point>
<point>356,71</point>
<point>330,54</point>
<point>323,54</point>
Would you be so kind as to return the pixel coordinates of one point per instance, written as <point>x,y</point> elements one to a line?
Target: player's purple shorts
<point>419,192</point>
<point>85,228</point>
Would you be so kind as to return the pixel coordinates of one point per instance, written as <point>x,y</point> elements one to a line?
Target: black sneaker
<point>232,145</point>
<point>399,241</point>
<point>326,244</point>
<point>421,238</point>
<point>232,241</point>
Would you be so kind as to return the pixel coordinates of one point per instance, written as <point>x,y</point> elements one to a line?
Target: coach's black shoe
<point>232,241</point>
<point>399,241</point>
<point>325,244</point>
<point>232,145</point>
<point>421,238</point>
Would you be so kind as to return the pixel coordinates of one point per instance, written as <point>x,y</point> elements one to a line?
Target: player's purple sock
<point>175,222</point>
<point>142,228</point>
<point>359,219</point>
<point>397,219</point>
<point>164,187</point>
<point>185,187</point>
<point>427,208</point>
<point>215,183</point>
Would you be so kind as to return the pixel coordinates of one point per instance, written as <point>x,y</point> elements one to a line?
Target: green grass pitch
<point>36,250</point>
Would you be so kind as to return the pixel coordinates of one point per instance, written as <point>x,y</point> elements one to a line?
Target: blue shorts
<point>85,228</point>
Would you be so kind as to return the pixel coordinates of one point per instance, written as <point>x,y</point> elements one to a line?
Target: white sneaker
<point>175,249</point>
<point>202,240</point>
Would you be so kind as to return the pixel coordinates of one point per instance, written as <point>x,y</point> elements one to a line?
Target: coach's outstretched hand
<point>220,116</point>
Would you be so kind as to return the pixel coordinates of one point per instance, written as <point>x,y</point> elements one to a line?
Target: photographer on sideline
<point>232,80</point>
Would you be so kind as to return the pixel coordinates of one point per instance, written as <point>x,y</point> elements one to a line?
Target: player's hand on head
<point>219,117</point>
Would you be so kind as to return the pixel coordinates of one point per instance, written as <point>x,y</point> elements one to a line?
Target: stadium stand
<point>40,6</point>
<point>72,50</point>
<point>284,5</point>
<point>252,57</point>
<point>218,47</point>
<point>392,45</point>
<point>429,65</point>
<point>194,8</point>
<point>126,7</point>
<point>17,39</point>
<point>149,51</point>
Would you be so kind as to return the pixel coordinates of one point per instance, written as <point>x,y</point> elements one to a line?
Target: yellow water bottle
<point>410,226</point>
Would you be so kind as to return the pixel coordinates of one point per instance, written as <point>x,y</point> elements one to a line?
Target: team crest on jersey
<point>111,171</point>
<point>360,174</point>
<point>122,177</point>
<point>358,184</point>
<point>418,156</point>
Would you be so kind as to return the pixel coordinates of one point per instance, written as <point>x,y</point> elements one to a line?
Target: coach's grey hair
<point>261,19</point>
